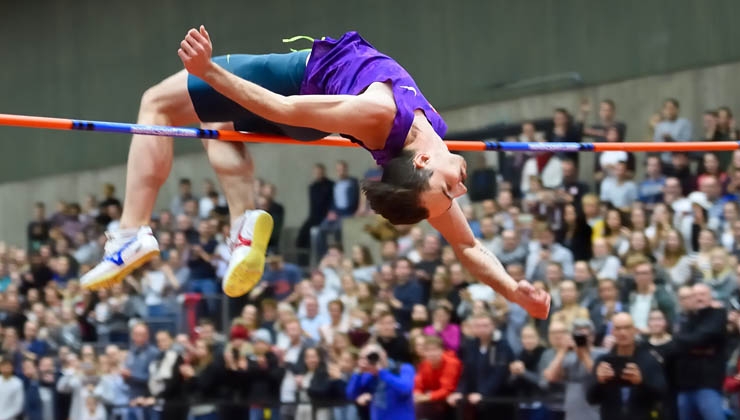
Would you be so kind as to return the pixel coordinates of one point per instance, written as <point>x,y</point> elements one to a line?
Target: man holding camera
<point>386,386</point>
<point>629,382</point>
<point>573,365</point>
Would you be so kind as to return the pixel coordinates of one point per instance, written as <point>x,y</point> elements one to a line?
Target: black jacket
<point>486,373</point>
<point>700,344</point>
<point>264,383</point>
<point>643,399</point>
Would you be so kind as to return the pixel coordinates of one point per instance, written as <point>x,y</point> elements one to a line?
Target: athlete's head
<point>417,185</point>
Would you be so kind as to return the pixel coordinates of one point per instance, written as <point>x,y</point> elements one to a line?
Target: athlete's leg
<point>149,163</point>
<point>250,228</point>
<point>150,157</point>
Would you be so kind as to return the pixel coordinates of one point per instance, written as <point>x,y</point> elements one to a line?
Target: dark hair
<point>673,101</point>
<point>610,103</point>
<point>397,195</point>
<point>725,109</point>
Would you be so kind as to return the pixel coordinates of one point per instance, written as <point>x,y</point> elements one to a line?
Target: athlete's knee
<point>153,100</point>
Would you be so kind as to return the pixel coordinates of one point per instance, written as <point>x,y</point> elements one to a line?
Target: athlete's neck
<point>422,136</point>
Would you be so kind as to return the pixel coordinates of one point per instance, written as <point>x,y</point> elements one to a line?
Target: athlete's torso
<point>348,65</point>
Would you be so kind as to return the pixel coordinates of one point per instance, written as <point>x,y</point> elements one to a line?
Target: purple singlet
<point>347,66</point>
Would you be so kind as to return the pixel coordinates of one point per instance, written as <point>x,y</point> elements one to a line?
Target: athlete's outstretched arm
<point>484,266</point>
<point>346,114</point>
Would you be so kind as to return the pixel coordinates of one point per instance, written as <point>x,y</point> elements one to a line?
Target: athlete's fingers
<point>199,37</point>
<point>189,50</point>
<point>183,55</point>
<point>204,32</point>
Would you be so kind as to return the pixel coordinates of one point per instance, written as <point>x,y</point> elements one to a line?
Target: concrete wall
<point>290,166</point>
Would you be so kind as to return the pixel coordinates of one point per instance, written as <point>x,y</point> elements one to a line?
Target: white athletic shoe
<point>125,251</point>
<point>250,236</point>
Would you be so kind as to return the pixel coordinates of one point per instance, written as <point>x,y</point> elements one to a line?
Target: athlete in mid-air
<point>340,86</point>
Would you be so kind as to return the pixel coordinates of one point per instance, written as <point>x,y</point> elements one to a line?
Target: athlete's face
<point>446,183</point>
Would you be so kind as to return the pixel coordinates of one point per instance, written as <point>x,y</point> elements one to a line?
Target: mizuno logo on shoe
<point>117,257</point>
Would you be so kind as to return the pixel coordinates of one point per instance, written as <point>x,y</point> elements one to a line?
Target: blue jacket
<point>393,393</point>
<point>33,406</point>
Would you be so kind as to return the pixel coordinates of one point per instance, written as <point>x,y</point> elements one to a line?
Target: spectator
<point>37,231</point>
<point>201,378</point>
<point>346,200</point>
<point>280,278</point>
<point>441,327</point>
<point>264,375</point>
<point>605,308</point>
<point>136,366</point>
<point>605,265</point>
<point>575,233</point>
<point>312,386</point>
<point>210,200</point>
<point>573,365</point>
<point>11,392</point>
<point>607,119</point>
<point>32,343</point>
<point>672,128</point>
<point>617,188</point>
<point>678,167</point>
<point>79,380</point>
<point>524,376</point>
<point>383,384</point>
<point>700,364</point>
<point>511,251</point>
<point>184,194</point>
<point>267,202</point>
<point>647,295</point>
<point>320,200</point>
<point>337,322</point>
<point>650,190</point>
<point>436,379</point>
<point>165,380</point>
<point>52,406</point>
<point>407,291</point>
<point>312,321</point>
<point>485,373</point>
<point>157,281</point>
<point>720,276</point>
<point>629,382</point>
<point>572,190</point>
<point>543,250</point>
<point>33,405</point>
<point>570,310</point>
<point>664,351</point>
<point>395,345</point>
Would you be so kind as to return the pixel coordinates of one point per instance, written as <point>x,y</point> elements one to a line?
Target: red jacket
<point>732,385</point>
<point>441,381</point>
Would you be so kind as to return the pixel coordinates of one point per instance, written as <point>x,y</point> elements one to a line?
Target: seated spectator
<point>586,283</point>
<point>32,343</point>
<point>544,249</point>
<point>615,231</point>
<point>394,344</point>
<point>628,382</point>
<point>157,282</point>
<point>721,276</point>
<point>570,309</point>
<point>442,327</point>
<point>573,365</point>
<point>639,247</point>
<point>650,190</point>
<point>338,323</point>
<point>678,167</point>
<point>607,305</point>
<point>605,265</point>
<point>511,249</point>
<point>647,296</point>
<point>575,233</point>
<point>362,263</point>
<point>485,373</point>
<point>436,378</point>
<point>313,319</point>
<point>11,392</point>
<point>618,189</point>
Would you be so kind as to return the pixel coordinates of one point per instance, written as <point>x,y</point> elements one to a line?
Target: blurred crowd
<point>639,253</point>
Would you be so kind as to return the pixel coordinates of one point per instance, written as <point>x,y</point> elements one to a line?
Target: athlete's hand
<point>195,51</point>
<point>535,301</point>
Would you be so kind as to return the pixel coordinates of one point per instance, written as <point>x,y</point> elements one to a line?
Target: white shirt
<point>640,310</point>
<point>156,282</point>
<point>11,398</point>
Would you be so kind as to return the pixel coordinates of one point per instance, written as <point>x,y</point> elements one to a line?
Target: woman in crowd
<point>720,276</point>
<point>586,283</point>
<point>660,225</point>
<point>202,376</point>
<point>313,387</point>
<point>615,231</point>
<point>575,233</point>
<point>349,292</point>
<point>525,379</point>
<point>639,246</point>
<point>675,261</point>
<point>661,342</point>
<point>363,265</point>
<point>443,328</point>
<point>730,215</point>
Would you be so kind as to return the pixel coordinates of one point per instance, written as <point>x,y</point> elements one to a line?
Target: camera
<point>373,358</point>
<point>580,339</point>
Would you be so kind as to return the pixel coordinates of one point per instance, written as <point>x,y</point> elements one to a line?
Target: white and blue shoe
<point>250,236</point>
<point>125,251</point>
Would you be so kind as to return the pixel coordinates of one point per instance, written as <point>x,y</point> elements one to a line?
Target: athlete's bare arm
<point>363,116</point>
<point>484,266</point>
